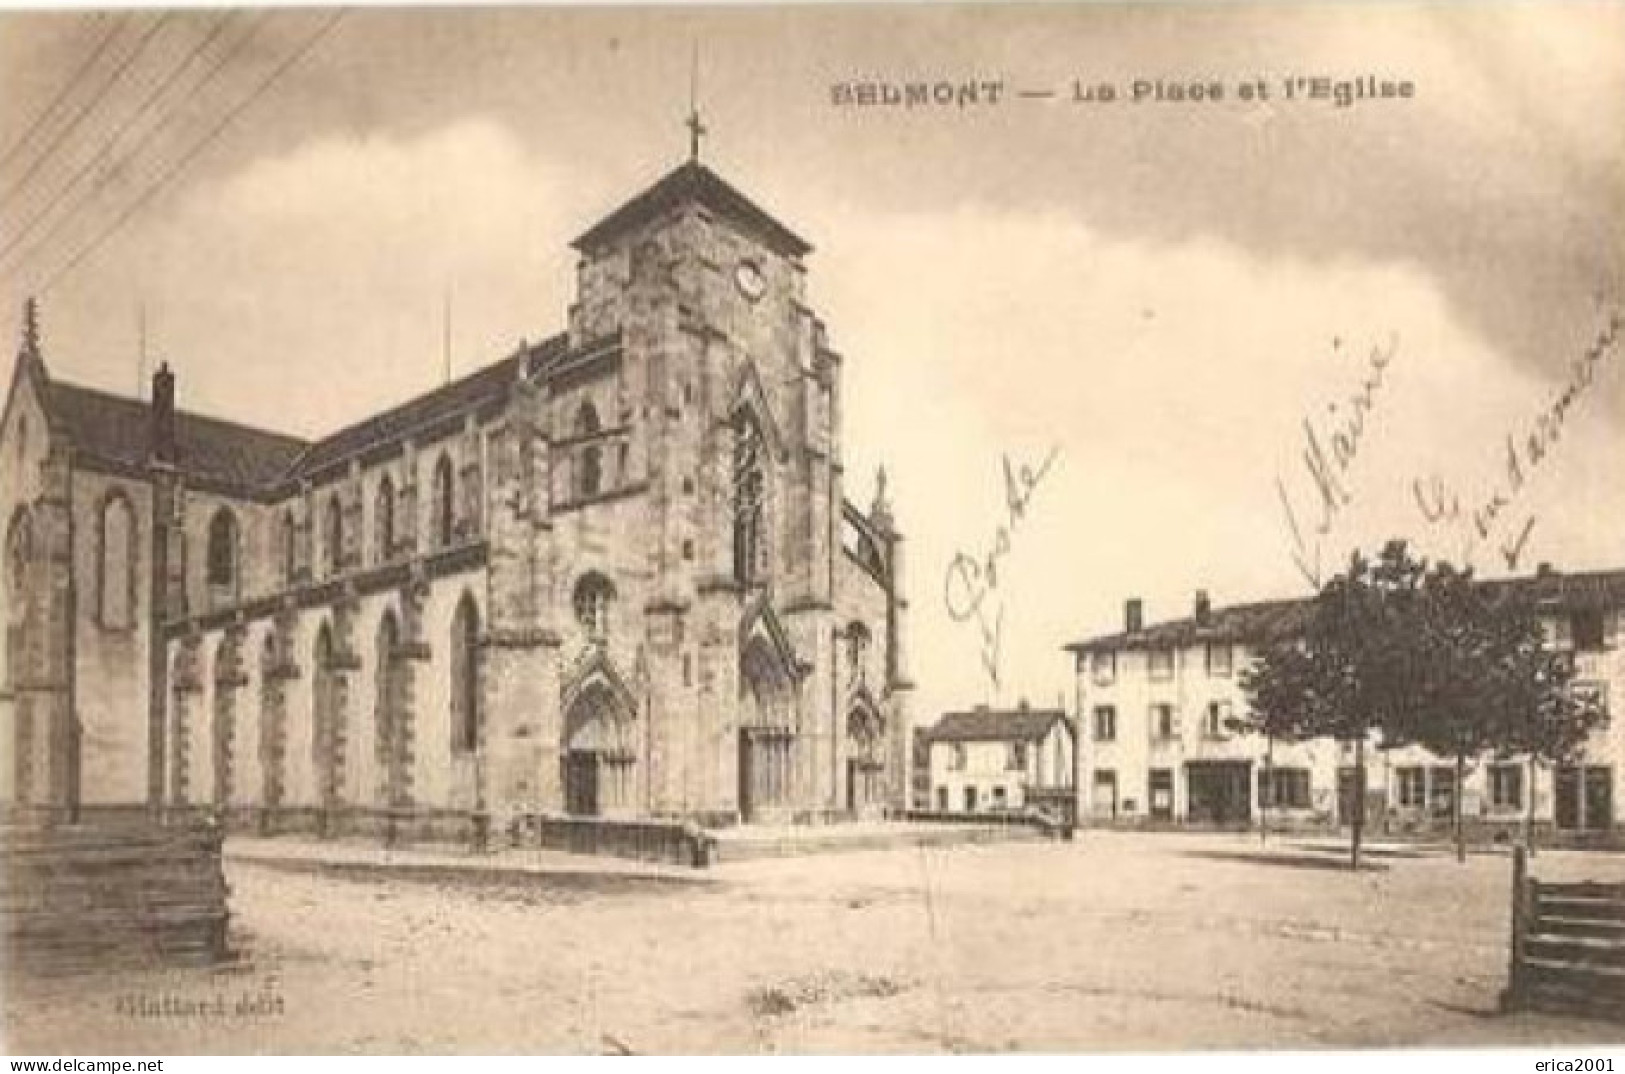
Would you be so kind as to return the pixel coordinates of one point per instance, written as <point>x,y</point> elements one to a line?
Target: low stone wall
<point>80,898</point>
<point>1038,820</point>
<point>669,841</point>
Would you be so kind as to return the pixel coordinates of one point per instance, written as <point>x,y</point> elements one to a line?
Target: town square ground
<point>1114,942</point>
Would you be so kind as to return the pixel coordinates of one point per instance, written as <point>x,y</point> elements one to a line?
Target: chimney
<point>1133,615</point>
<point>1544,571</point>
<point>1204,608</point>
<point>162,433</point>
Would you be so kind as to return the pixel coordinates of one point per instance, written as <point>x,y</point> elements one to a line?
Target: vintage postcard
<point>812,529</point>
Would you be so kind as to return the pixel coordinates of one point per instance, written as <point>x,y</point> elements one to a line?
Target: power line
<point>67,87</point>
<point>96,98</point>
<point>198,147</point>
<point>145,106</point>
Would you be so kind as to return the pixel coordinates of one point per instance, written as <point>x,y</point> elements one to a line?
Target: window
<point>688,549</point>
<point>19,553</point>
<point>465,678</point>
<point>1105,723</point>
<point>333,535</point>
<point>445,503</point>
<point>220,562</point>
<point>1103,668</point>
<point>1161,664</point>
<point>1412,787</point>
<point>749,486</point>
<point>999,800</point>
<point>970,799</point>
<point>1220,658</point>
<point>1283,788</point>
<point>116,572</point>
<point>1163,724</point>
<point>956,756</point>
<point>942,799</point>
<point>593,596</point>
<point>290,548</point>
<point>384,519</point>
<point>1015,757</point>
<point>1216,723</point>
<point>857,646</point>
<point>590,463</point>
<point>1587,628</point>
<point>1441,790</point>
<point>1506,786</point>
<point>1595,693</point>
<point>590,474</point>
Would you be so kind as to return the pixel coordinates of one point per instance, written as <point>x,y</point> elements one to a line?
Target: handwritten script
<point>971,584</point>
<point>1329,450</point>
<point>1524,452</point>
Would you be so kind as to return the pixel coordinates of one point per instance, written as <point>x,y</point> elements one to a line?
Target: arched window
<point>290,548</point>
<point>116,564</point>
<point>749,485</point>
<point>384,519</point>
<point>445,503</point>
<point>273,742</point>
<point>392,741</point>
<point>220,560</point>
<point>587,419</point>
<point>590,469</point>
<point>594,594</point>
<point>327,741</point>
<point>333,535</point>
<point>19,551</point>
<point>465,677</point>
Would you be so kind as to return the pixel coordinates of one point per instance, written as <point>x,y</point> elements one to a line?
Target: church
<point>613,574</point>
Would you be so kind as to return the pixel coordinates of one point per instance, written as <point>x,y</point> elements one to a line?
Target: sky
<point>1175,302</point>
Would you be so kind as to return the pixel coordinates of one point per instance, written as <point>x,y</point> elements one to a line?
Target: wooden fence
<point>1568,946</point>
<point>81,898</point>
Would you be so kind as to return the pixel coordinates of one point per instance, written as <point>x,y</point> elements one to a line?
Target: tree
<point>1492,684</point>
<point>1415,654</point>
<point>1348,670</point>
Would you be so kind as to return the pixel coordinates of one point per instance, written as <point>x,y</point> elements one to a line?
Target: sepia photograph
<point>782,529</point>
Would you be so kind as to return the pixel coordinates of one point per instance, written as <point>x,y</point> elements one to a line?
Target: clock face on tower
<point>750,281</point>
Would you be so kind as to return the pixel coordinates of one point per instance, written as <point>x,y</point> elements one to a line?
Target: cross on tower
<point>696,129</point>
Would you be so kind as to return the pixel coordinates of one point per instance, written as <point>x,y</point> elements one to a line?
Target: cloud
<point>1175,380</point>
<point>338,256</point>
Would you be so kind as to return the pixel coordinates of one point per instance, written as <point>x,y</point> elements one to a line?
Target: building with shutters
<point>1155,702</point>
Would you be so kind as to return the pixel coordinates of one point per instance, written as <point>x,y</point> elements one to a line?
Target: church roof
<point>995,725</point>
<point>220,455</point>
<point>423,412</point>
<point>693,181</point>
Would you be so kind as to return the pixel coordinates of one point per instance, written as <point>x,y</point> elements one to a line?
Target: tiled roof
<point>1265,621</point>
<point>228,457</point>
<point>213,453</point>
<point>491,382</point>
<point>693,181</point>
<point>1001,725</point>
